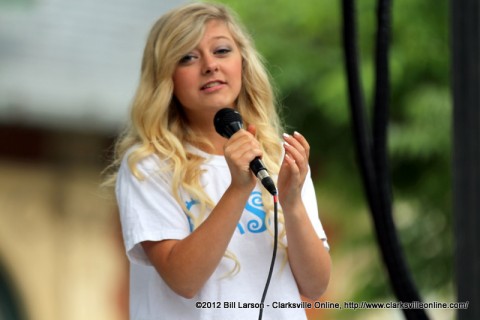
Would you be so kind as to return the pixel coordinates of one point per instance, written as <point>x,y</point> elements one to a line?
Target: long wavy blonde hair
<point>158,125</point>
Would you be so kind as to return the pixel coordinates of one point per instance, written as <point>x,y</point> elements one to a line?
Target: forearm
<point>191,261</point>
<point>307,256</point>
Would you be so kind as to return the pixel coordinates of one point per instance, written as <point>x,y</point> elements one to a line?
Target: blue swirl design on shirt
<point>189,205</point>
<point>254,206</point>
<point>240,228</point>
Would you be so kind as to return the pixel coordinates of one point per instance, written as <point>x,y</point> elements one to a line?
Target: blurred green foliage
<point>302,45</point>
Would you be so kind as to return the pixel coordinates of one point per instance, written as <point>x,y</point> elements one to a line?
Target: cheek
<point>181,84</point>
<point>178,80</point>
<point>238,72</point>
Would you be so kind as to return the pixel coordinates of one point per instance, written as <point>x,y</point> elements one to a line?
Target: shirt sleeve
<point>310,201</point>
<point>148,210</point>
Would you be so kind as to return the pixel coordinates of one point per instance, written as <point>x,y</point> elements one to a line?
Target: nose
<point>210,65</point>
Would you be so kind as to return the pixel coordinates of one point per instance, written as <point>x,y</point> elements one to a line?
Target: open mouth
<point>212,84</point>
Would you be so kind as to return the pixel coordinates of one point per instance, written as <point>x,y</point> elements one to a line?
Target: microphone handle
<point>256,165</point>
<point>259,170</point>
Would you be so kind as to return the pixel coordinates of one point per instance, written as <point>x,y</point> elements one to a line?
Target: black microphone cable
<point>274,254</point>
<point>228,121</point>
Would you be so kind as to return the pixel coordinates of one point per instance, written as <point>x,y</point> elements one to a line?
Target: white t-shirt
<point>148,211</point>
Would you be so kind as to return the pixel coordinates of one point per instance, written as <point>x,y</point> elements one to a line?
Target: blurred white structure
<point>66,63</point>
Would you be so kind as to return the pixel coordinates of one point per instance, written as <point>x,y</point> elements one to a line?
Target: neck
<point>202,126</point>
<point>216,142</point>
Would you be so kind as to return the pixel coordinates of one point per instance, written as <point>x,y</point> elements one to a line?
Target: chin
<point>223,104</point>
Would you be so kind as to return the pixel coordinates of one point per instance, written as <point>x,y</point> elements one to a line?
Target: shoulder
<point>143,170</point>
<point>146,164</point>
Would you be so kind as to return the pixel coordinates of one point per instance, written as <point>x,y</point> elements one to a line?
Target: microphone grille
<point>224,118</point>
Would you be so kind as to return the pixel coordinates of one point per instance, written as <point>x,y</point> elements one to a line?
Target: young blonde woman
<point>196,223</point>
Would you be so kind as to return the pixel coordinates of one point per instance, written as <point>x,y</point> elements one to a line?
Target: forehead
<point>216,29</point>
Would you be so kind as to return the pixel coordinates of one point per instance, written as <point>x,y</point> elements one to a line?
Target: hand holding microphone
<point>227,122</point>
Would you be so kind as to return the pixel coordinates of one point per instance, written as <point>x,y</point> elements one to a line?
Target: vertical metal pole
<point>465,31</point>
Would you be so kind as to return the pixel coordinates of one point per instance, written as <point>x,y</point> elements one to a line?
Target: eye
<point>223,51</point>
<point>187,59</point>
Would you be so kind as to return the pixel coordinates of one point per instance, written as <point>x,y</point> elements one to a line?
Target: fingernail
<point>290,158</point>
<point>296,133</point>
<point>286,143</point>
<point>286,135</point>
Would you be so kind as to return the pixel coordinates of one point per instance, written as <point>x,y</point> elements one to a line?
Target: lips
<point>212,84</point>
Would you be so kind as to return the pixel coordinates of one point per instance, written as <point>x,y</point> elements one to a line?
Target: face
<point>209,77</point>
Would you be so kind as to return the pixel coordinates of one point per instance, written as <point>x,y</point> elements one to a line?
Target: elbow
<point>187,292</point>
<point>315,292</point>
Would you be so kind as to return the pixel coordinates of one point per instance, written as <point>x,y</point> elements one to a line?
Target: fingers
<point>243,145</point>
<point>239,151</point>
<point>294,169</point>
<point>297,150</point>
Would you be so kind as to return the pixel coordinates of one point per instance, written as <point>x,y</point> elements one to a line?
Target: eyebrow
<point>221,37</point>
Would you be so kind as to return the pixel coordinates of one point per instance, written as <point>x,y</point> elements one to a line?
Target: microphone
<point>228,121</point>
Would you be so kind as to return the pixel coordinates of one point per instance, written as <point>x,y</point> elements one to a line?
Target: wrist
<point>243,185</point>
<point>240,190</point>
<point>291,205</point>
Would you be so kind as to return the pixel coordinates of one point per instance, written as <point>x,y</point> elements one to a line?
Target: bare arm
<point>309,260</point>
<point>185,265</point>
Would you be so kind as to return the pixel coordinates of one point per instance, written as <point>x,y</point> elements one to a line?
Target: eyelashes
<point>223,51</point>
<point>190,57</point>
<point>186,59</point>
